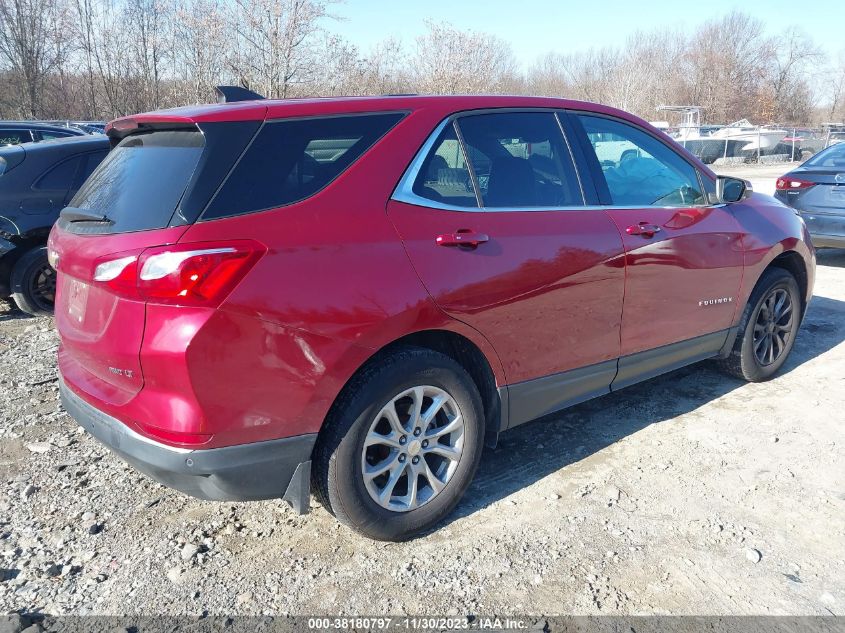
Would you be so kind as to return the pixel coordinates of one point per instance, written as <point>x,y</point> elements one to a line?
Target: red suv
<point>353,296</point>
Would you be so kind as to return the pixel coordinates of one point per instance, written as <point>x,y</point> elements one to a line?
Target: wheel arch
<point>468,355</point>
<point>793,263</point>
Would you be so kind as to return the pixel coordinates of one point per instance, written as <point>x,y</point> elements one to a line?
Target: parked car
<point>246,314</point>
<point>89,127</point>
<point>816,190</point>
<point>16,132</point>
<point>36,181</point>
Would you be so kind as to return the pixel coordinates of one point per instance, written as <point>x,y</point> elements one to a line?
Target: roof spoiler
<point>230,94</point>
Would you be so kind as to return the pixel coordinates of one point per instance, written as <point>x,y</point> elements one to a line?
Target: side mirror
<point>730,189</point>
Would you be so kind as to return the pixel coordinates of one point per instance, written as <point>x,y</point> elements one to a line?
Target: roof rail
<point>230,94</point>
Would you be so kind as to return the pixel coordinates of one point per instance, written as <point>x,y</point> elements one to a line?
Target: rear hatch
<point>150,188</point>
<point>827,195</point>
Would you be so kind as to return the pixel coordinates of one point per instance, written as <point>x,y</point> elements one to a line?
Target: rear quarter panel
<point>334,287</point>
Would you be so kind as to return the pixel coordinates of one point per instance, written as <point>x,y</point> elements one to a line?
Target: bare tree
<point>29,45</point>
<point>274,49</point>
<point>146,26</point>
<point>116,57</point>
<point>837,89</point>
<point>200,44</point>
<point>450,61</point>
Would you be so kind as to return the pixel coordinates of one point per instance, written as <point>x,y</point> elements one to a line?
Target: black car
<point>816,190</point>
<point>17,132</point>
<point>36,181</point>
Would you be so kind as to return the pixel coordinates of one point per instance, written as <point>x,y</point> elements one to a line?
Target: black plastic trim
<point>271,469</point>
<point>728,345</point>
<point>650,363</point>
<point>535,398</point>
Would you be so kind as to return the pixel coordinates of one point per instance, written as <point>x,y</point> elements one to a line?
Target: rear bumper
<point>827,230</point>
<point>260,470</point>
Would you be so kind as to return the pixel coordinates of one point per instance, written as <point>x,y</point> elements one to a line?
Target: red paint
<point>347,272</point>
<point>676,258</point>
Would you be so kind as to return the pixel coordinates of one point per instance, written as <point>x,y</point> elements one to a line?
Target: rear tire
<point>767,329</point>
<point>434,440</point>
<point>33,283</point>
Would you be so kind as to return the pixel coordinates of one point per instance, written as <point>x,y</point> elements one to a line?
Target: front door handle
<point>461,237</point>
<point>643,228</point>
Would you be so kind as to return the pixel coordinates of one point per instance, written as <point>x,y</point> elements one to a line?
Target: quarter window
<point>293,159</point>
<point>638,168</point>
<point>520,160</point>
<point>60,177</point>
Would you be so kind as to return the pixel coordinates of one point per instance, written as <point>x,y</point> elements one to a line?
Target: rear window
<point>834,156</point>
<point>293,159</point>
<point>14,137</point>
<point>139,184</point>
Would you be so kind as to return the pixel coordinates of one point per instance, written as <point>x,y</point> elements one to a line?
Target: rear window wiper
<point>72,214</point>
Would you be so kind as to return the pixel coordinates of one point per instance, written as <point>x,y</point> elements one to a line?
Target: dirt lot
<point>691,494</point>
<point>762,177</point>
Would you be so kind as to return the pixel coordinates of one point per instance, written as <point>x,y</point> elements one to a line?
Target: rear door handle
<point>461,237</point>
<point>643,228</point>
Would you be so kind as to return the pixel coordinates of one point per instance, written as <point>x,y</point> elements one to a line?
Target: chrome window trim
<point>404,191</point>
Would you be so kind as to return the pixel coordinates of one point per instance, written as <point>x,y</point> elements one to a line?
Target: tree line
<point>98,59</point>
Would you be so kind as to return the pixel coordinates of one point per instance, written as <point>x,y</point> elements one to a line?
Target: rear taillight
<point>185,274</point>
<point>785,182</point>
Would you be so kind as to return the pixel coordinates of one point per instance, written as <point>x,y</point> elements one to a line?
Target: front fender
<point>769,230</point>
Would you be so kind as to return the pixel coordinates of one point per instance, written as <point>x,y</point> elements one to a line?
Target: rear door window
<point>140,183</point>
<point>293,159</point>
<point>520,160</point>
<point>444,176</point>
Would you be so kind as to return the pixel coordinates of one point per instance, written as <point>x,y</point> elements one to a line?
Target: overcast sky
<point>534,27</point>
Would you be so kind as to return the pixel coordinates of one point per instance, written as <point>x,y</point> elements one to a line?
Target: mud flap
<point>298,493</point>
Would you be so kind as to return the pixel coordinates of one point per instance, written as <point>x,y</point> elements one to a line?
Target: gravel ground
<point>762,177</point>
<point>691,494</point>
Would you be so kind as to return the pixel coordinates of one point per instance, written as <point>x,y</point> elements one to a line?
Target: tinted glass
<point>638,168</point>
<point>141,181</point>
<point>293,159</point>
<point>444,176</point>
<point>834,156</point>
<point>59,177</point>
<point>47,135</point>
<point>91,161</point>
<point>14,137</point>
<point>520,159</point>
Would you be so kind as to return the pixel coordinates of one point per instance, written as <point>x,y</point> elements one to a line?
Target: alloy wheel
<point>412,448</point>
<point>773,326</point>
<point>42,287</point>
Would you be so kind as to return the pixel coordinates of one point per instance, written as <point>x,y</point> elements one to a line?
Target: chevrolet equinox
<point>352,296</point>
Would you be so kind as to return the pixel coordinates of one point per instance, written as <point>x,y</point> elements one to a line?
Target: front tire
<point>401,445</point>
<point>34,283</point>
<point>767,329</point>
